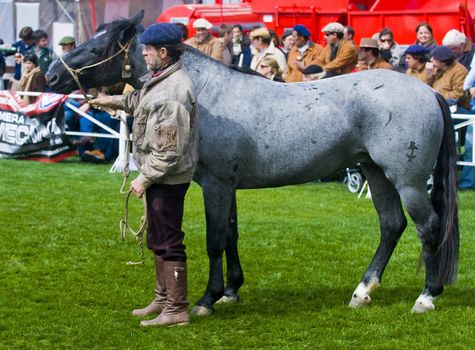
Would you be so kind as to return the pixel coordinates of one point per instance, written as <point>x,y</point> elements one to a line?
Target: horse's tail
<point>444,199</point>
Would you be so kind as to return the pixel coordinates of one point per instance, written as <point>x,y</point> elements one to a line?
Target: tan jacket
<point>380,63</point>
<point>273,52</point>
<point>345,60</point>
<point>211,46</point>
<point>309,57</point>
<point>165,129</point>
<point>420,74</point>
<point>449,83</point>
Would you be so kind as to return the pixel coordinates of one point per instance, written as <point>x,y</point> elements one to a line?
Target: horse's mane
<point>115,29</point>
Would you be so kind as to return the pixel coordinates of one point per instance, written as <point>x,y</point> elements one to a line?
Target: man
<point>165,134</point>
<point>44,53</point>
<point>226,37</point>
<point>242,55</point>
<point>303,54</point>
<point>416,60</point>
<point>461,47</point>
<point>390,50</point>
<point>349,34</point>
<point>68,44</point>
<point>369,52</point>
<point>261,41</point>
<point>339,55</point>
<point>204,41</point>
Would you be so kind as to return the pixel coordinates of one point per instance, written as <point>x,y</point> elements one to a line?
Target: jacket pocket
<point>166,137</point>
<point>140,124</point>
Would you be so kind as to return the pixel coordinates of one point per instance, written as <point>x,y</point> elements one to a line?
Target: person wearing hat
<point>303,54</point>
<point>339,55</point>
<point>165,134</point>
<point>446,75</point>
<point>32,79</point>
<point>262,43</point>
<point>369,52</point>
<point>288,42</point>
<point>68,44</point>
<point>313,72</point>
<point>204,41</point>
<point>416,59</point>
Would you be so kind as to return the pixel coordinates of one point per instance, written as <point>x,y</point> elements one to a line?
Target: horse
<point>256,133</point>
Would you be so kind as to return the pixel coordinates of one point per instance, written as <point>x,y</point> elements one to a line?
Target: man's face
<point>67,48</point>
<point>331,38</point>
<point>257,43</point>
<point>201,34</point>
<point>346,35</point>
<point>152,57</point>
<point>411,61</point>
<point>456,50</point>
<point>300,41</point>
<point>386,41</point>
<point>42,43</point>
<point>237,34</point>
<point>438,64</point>
<point>362,54</point>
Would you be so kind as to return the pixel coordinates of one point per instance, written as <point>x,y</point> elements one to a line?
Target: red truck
<point>365,16</point>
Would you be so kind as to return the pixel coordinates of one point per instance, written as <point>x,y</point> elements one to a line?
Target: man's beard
<point>155,65</point>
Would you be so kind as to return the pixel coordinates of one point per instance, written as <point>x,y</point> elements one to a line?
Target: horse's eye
<point>95,51</point>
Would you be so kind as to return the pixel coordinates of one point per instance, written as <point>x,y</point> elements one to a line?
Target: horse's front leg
<point>392,223</point>
<point>218,198</point>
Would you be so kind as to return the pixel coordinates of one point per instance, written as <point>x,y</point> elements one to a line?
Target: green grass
<point>64,283</point>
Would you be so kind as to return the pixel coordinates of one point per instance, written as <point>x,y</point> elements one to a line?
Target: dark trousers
<point>165,216</point>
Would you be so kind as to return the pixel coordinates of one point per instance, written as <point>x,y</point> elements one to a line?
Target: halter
<point>126,68</point>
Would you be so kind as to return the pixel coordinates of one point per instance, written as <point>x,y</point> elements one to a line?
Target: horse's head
<point>94,63</point>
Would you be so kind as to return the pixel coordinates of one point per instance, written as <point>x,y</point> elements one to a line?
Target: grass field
<point>64,283</point>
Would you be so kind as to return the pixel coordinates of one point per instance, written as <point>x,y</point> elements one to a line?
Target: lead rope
<point>124,223</point>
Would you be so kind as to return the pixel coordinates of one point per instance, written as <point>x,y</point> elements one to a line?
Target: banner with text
<point>34,131</point>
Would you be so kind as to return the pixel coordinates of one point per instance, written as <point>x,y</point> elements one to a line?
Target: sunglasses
<point>385,40</point>
<point>264,66</point>
<point>329,33</point>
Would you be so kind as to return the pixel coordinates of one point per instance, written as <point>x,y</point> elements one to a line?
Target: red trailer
<point>366,16</point>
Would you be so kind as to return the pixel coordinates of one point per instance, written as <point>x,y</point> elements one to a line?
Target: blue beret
<point>416,50</point>
<point>302,30</point>
<point>442,53</point>
<point>161,34</point>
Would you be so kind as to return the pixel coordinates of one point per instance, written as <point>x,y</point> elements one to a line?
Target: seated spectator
<point>369,52</point>
<point>270,69</point>
<point>288,41</point>
<point>44,53</point>
<point>68,44</point>
<point>226,37</point>
<point>204,41</point>
<point>361,65</point>
<point>425,36</point>
<point>349,34</point>
<point>313,72</point>
<point>264,46</point>
<point>461,47</point>
<point>32,79</point>
<point>446,75</point>
<point>416,60</point>
<point>303,54</point>
<point>242,55</point>
<point>390,50</point>
<point>339,55</point>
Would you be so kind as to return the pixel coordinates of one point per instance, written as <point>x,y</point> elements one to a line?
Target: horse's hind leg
<point>218,198</point>
<point>392,224</point>
<point>427,223</point>
<point>235,277</point>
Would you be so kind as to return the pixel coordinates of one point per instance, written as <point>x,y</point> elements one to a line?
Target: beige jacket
<point>211,46</point>
<point>273,52</point>
<point>165,129</point>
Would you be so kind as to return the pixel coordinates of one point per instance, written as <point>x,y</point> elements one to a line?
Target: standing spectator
<point>390,50</point>
<point>204,41</point>
<point>32,79</point>
<point>425,36</point>
<point>461,47</point>
<point>242,55</point>
<point>44,53</point>
<point>416,60</point>
<point>226,37</point>
<point>304,53</point>
<point>349,34</point>
<point>369,52</point>
<point>262,42</point>
<point>21,47</point>
<point>339,55</point>
<point>447,75</point>
<point>288,42</point>
<point>68,44</point>
<point>270,69</point>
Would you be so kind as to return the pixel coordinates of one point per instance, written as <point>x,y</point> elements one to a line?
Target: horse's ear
<point>137,18</point>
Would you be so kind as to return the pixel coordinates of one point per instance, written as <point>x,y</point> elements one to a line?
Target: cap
<point>416,50</point>
<point>312,69</point>
<point>369,43</point>
<point>262,32</point>
<point>202,23</point>
<point>442,53</point>
<point>161,34</point>
<point>302,30</point>
<point>67,40</point>
<point>333,27</point>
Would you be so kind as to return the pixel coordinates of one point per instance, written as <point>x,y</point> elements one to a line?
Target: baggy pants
<point>165,216</point>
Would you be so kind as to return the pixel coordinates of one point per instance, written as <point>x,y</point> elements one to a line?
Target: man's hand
<point>100,101</point>
<point>137,188</point>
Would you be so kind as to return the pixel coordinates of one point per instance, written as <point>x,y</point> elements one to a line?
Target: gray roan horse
<point>256,133</point>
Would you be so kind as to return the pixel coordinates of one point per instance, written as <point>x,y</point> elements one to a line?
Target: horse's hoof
<point>423,304</point>
<point>228,299</point>
<point>358,301</point>
<point>200,310</point>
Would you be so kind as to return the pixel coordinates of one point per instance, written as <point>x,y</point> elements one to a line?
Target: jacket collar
<point>149,79</point>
